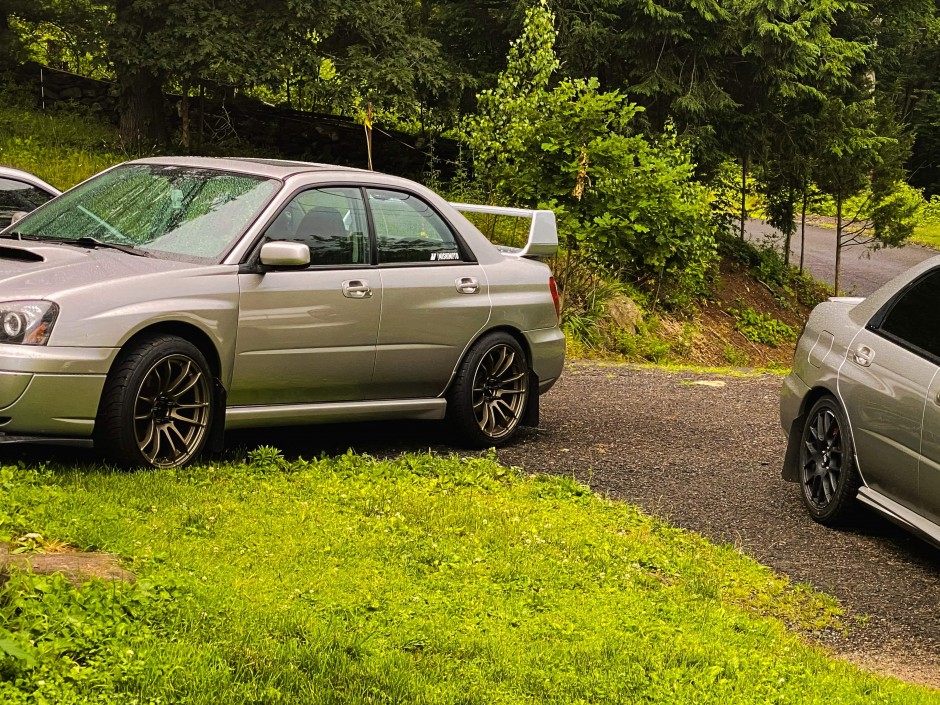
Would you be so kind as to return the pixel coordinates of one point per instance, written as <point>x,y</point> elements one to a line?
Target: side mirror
<point>285,254</point>
<point>18,215</point>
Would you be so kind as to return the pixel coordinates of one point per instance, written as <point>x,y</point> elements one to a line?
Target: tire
<point>829,478</point>
<point>157,406</point>
<point>487,400</point>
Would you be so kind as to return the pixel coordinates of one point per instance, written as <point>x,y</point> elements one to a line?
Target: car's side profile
<point>166,300</point>
<point>861,406</point>
<point>20,193</point>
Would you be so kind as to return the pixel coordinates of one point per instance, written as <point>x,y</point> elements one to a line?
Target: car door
<point>16,195</point>
<point>884,382</point>
<point>435,296</point>
<point>309,335</point>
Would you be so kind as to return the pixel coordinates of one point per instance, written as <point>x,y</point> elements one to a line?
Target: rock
<point>70,92</point>
<point>77,567</point>
<point>625,313</point>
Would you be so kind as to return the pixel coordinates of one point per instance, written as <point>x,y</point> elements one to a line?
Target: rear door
<point>310,335</point>
<point>435,296</point>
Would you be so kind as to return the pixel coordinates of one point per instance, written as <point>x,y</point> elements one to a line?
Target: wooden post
<point>368,125</point>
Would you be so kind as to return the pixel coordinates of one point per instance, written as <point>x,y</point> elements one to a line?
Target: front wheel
<point>488,398</point>
<point>158,404</point>
<point>828,477</point>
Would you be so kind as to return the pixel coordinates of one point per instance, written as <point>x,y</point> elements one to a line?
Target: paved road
<point>706,459</point>
<point>863,271</point>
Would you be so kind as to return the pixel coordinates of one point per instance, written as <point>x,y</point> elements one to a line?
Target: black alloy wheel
<point>828,477</point>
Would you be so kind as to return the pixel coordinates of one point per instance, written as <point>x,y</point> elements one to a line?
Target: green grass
<point>416,580</point>
<point>927,234</point>
<point>61,147</point>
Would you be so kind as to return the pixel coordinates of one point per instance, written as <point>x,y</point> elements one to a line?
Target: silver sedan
<point>862,405</point>
<point>21,192</point>
<point>166,300</point>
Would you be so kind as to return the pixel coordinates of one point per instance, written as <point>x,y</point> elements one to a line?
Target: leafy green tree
<point>624,202</point>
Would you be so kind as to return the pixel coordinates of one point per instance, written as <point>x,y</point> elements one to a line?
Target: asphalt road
<point>863,270</point>
<point>704,458</point>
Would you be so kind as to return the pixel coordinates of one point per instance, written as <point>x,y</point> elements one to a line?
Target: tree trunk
<point>143,123</point>
<point>838,242</point>
<point>789,234</point>
<point>803,231</point>
<point>743,193</point>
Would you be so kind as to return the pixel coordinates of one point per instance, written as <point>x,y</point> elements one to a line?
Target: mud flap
<point>531,415</point>
<point>791,461</point>
<point>216,441</point>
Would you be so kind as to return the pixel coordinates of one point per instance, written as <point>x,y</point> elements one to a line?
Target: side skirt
<point>900,515</point>
<point>332,412</point>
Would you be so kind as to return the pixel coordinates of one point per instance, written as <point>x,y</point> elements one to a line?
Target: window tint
<point>911,319</point>
<point>408,230</point>
<point>330,221</point>
<point>18,196</point>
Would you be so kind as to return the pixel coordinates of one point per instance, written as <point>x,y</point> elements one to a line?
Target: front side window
<point>177,212</point>
<point>17,196</point>
<point>408,230</point>
<point>330,221</point>
<point>911,319</point>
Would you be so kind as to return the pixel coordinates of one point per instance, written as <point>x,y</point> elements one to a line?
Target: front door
<point>310,335</point>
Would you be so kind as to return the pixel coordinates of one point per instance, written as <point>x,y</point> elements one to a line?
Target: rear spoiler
<point>543,233</point>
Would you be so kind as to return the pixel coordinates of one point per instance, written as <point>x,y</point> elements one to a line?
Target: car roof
<point>269,168</point>
<point>25,176</point>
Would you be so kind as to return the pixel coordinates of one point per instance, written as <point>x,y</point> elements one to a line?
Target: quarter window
<point>408,230</point>
<point>18,196</point>
<point>911,318</point>
<point>330,221</point>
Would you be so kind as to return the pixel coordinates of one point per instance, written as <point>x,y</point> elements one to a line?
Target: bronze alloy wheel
<point>171,411</point>
<point>500,384</point>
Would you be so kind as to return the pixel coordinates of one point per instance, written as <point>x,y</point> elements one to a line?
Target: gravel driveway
<point>705,458</point>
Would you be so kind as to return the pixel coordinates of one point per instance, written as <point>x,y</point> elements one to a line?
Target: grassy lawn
<point>928,235</point>
<point>417,580</point>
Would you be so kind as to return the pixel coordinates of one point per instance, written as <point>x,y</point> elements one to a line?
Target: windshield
<point>186,213</point>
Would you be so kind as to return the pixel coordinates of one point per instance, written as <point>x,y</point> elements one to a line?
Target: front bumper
<point>51,391</point>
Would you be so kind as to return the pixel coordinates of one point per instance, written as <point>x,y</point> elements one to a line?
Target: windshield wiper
<point>92,243</point>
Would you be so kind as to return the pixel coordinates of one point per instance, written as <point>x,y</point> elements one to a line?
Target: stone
<point>76,566</point>
<point>625,313</point>
<point>70,93</point>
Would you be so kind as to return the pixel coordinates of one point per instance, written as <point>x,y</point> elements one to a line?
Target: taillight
<point>555,299</point>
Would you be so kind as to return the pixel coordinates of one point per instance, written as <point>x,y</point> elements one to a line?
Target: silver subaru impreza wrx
<point>166,300</point>
<point>862,405</point>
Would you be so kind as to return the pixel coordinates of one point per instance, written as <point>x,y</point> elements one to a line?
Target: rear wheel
<point>488,398</point>
<point>157,405</point>
<point>828,477</point>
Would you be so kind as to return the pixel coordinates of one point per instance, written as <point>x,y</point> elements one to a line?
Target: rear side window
<point>18,196</point>
<point>911,320</point>
<point>408,230</point>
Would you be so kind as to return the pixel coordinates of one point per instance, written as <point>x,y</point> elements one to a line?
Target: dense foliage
<point>830,97</point>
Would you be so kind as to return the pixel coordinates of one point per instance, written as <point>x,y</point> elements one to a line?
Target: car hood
<point>43,270</point>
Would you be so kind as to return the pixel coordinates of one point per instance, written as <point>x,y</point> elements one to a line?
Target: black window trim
<point>876,322</point>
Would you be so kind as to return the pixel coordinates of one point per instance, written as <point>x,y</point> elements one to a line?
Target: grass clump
<point>62,147</point>
<point>762,327</point>
<point>415,580</point>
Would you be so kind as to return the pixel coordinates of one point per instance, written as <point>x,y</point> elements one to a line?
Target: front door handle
<point>357,289</point>
<point>467,285</point>
<point>863,355</point>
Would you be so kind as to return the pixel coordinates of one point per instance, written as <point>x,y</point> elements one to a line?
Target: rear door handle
<point>863,355</point>
<point>357,289</point>
<point>467,285</point>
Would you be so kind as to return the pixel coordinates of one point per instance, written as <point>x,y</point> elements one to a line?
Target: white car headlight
<point>27,322</point>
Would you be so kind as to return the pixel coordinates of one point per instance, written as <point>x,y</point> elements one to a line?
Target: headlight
<point>27,322</point>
